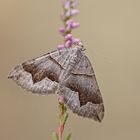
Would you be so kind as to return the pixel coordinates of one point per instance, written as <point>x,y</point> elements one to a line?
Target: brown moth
<point>67,72</point>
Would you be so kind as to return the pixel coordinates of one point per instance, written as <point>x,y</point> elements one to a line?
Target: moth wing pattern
<point>40,75</point>
<point>67,72</point>
<point>83,67</point>
<point>89,110</point>
<point>83,81</point>
<point>24,79</point>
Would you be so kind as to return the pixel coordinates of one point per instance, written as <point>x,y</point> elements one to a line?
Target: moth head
<point>80,45</point>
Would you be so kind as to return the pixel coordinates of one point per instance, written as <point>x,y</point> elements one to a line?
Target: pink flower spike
<point>75,25</point>
<point>62,30</point>
<point>62,46</point>
<point>68,43</point>
<point>75,40</point>
<point>68,37</point>
<point>74,12</point>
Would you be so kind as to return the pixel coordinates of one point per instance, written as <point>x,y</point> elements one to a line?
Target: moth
<point>66,72</point>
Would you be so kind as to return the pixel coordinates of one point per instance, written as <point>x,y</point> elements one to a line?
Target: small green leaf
<point>65,117</point>
<point>68,137</point>
<point>55,136</point>
<point>65,108</point>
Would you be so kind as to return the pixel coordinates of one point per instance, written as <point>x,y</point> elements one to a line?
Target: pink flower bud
<point>67,4</point>
<point>69,22</point>
<point>68,43</point>
<point>62,30</point>
<point>62,46</point>
<point>75,40</point>
<point>69,25</point>
<point>75,25</point>
<point>68,37</point>
<point>74,12</point>
<point>61,98</point>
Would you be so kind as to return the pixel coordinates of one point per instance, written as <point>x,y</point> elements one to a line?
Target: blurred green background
<point>110,31</point>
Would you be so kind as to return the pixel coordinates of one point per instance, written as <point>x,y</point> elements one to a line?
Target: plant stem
<point>63,115</point>
<point>61,128</point>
